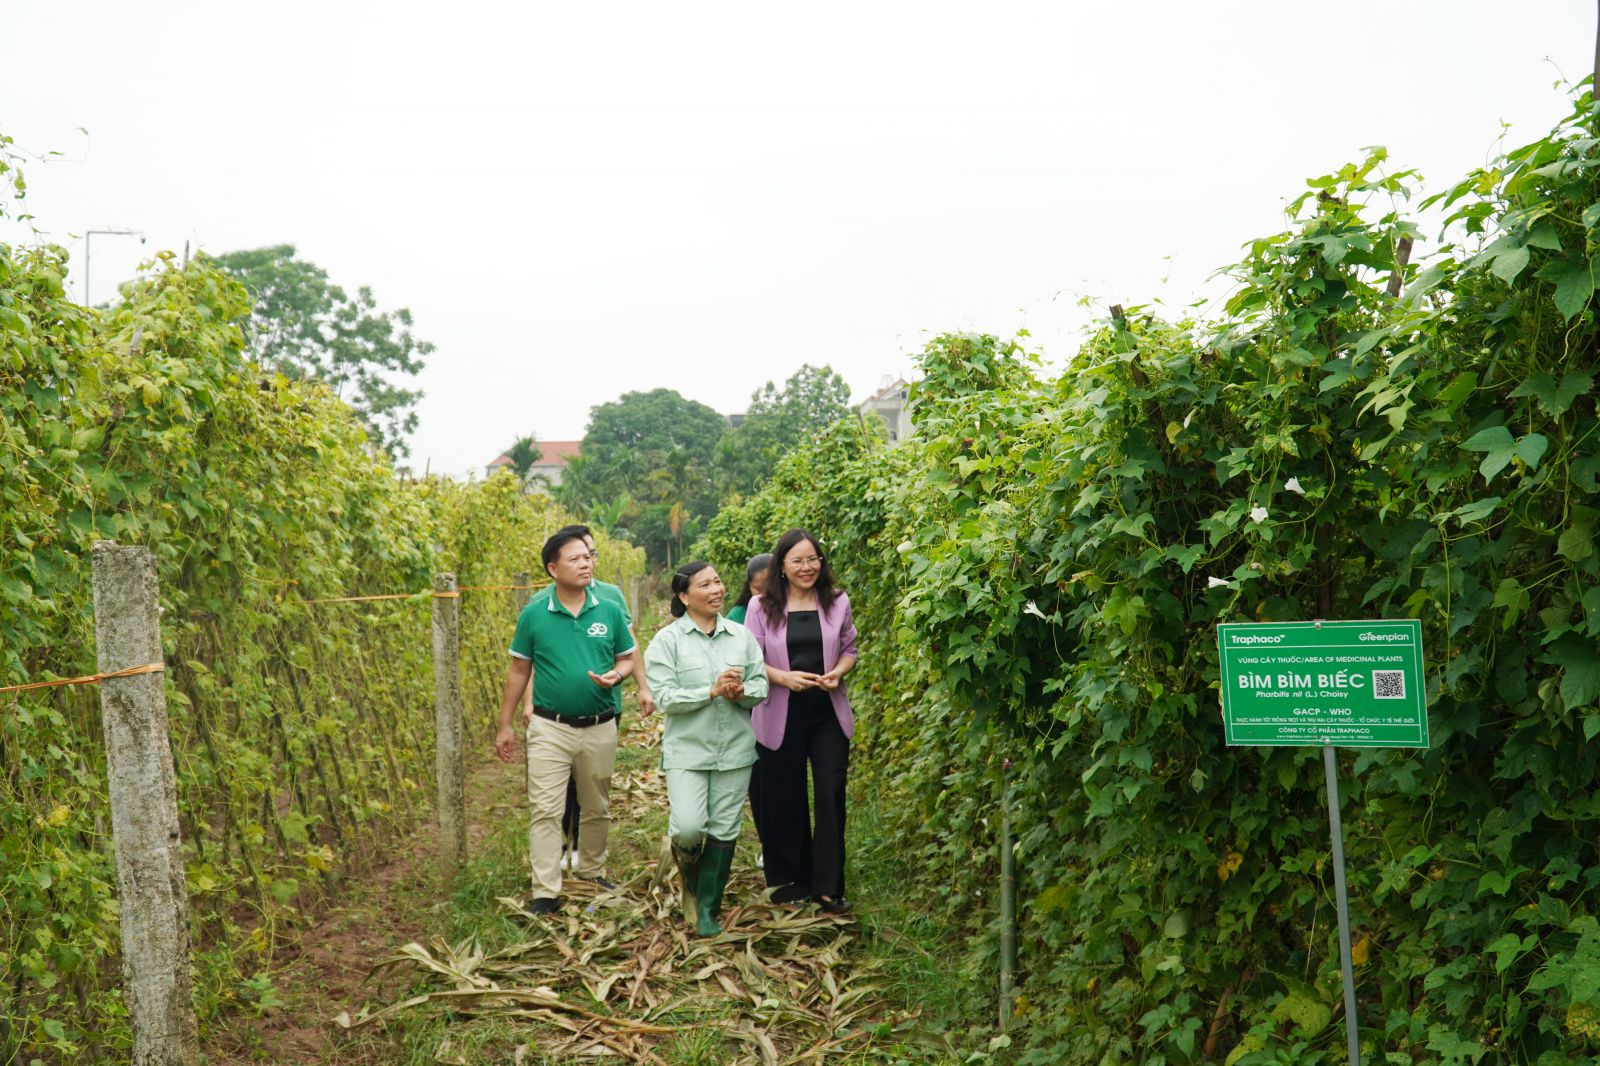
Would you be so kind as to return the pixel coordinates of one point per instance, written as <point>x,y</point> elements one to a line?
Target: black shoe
<point>543,907</point>
<point>833,905</point>
<point>602,882</point>
<point>790,893</point>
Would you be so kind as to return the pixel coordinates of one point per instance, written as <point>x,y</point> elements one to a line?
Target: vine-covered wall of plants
<point>301,732</point>
<point>1039,573</point>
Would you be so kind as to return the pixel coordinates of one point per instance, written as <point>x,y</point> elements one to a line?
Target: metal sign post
<point>1345,684</point>
<point>1341,904</point>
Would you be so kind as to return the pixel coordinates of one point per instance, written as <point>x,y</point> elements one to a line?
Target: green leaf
<point>1580,670</point>
<point>1455,1049</point>
<point>1574,287</point>
<point>1573,384</point>
<point>1553,397</point>
<point>1509,263</point>
<point>1508,948</point>
<point>1498,443</point>
<point>1186,555</point>
<point>1309,1014</point>
<point>1514,598</point>
<point>1459,389</point>
<point>1477,510</point>
<point>1544,236</point>
<point>1576,543</point>
<point>1531,449</point>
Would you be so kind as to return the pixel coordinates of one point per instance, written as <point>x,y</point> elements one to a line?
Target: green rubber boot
<point>688,860</point>
<point>715,864</point>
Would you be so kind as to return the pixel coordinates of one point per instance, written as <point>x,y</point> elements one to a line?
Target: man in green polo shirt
<point>576,648</point>
<point>647,704</point>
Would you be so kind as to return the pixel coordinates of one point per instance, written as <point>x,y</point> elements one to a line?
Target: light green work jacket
<point>702,733</point>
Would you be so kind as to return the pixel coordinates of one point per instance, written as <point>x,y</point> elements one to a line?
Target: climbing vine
<point>302,733</point>
<point>1038,575</point>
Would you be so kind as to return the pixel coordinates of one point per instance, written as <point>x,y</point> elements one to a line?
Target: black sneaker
<point>543,907</point>
<point>833,905</point>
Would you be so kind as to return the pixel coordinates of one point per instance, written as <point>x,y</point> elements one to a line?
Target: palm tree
<point>523,454</point>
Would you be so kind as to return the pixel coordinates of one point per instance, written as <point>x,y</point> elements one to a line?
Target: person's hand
<point>830,680</point>
<point>609,679</point>
<point>505,743</point>
<point>647,702</point>
<point>527,715</point>
<point>797,680</point>
<point>729,684</point>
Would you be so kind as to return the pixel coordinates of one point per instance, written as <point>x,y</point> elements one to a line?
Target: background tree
<point>304,326</point>
<point>658,449</point>
<point>523,454</point>
<point>779,419</point>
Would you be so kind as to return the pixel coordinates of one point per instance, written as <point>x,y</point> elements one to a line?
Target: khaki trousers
<point>557,752</point>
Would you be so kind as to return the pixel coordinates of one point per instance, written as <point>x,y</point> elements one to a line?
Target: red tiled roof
<point>551,453</point>
<point>558,452</point>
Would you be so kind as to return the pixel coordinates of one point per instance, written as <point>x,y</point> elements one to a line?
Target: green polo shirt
<point>564,647</point>
<point>606,591</point>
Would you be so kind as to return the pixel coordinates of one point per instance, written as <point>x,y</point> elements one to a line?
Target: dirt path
<point>326,967</point>
<point>467,978</point>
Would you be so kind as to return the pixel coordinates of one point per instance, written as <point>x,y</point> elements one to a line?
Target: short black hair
<point>680,585</point>
<point>580,530</point>
<point>558,540</point>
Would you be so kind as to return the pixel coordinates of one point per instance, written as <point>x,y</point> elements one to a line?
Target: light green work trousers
<point>704,803</point>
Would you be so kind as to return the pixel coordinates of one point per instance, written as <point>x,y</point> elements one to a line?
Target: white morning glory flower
<point>1033,609</point>
<point>1216,583</point>
<point>1293,485</point>
<point>1258,514</point>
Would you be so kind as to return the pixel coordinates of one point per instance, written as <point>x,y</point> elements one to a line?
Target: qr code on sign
<point>1389,684</point>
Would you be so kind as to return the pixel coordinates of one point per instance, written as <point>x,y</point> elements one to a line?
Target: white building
<point>892,404</point>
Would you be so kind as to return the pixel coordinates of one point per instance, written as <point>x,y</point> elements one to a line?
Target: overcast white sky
<point>577,200</point>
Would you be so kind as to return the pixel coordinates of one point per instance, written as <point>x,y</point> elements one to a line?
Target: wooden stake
<point>449,757</point>
<point>151,887</point>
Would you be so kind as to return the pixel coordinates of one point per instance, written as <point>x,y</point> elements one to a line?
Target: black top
<point>805,642</point>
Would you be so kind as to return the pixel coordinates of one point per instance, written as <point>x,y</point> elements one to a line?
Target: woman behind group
<point>755,583</point>
<point>705,672</point>
<point>808,639</point>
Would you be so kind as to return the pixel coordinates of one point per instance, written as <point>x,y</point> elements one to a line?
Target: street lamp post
<point>88,236</point>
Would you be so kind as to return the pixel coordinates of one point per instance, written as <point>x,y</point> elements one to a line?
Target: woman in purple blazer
<point>807,637</point>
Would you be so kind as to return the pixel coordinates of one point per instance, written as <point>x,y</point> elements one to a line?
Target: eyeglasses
<point>806,563</point>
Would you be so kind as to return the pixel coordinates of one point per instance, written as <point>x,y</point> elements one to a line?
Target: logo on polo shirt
<point>598,630</point>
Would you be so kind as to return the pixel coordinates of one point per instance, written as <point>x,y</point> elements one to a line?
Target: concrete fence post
<point>449,756</point>
<point>151,886</point>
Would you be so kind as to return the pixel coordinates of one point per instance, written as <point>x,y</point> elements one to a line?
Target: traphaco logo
<point>598,630</point>
<point>1235,638</point>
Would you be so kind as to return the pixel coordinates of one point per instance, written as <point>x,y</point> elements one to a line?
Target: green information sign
<point>1349,684</point>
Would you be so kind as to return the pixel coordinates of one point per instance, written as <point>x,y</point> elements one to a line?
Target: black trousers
<point>570,817</point>
<point>799,860</point>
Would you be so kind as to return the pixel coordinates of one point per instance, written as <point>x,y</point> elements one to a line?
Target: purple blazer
<point>771,715</point>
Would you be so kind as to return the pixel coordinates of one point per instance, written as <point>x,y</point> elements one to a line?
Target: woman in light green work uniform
<point>706,673</point>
